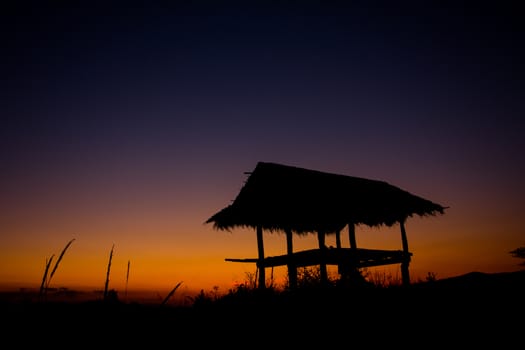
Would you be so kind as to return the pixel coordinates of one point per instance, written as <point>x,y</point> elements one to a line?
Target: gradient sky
<point>132,126</point>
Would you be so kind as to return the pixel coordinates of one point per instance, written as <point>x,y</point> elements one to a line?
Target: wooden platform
<point>332,256</point>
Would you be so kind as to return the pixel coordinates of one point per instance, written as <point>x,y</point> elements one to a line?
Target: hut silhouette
<point>298,201</point>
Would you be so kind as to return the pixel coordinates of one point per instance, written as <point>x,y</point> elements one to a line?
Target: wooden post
<point>351,235</point>
<point>322,265</point>
<point>338,246</point>
<point>350,270</point>
<point>338,239</point>
<point>292,268</point>
<point>260,264</point>
<point>405,275</point>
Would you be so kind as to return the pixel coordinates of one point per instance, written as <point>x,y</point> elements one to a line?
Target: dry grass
<point>170,294</point>
<point>106,284</point>
<point>46,279</point>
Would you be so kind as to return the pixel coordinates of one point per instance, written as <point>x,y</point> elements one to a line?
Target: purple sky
<point>159,110</point>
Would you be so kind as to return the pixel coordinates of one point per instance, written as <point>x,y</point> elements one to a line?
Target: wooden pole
<point>351,235</point>
<point>338,246</point>
<point>322,264</point>
<point>338,239</point>
<point>351,270</point>
<point>292,269</point>
<point>260,264</point>
<point>405,275</point>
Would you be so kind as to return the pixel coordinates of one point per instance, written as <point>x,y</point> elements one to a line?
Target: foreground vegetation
<point>336,292</point>
<point>473,309</point>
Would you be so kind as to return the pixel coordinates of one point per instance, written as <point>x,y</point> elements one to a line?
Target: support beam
<point>351,235</point>
<point>405,275</point>
<point>338,246</point>
<point>292,268</point>
<point>338,239</point>
<point>349,272</point>
<point>322,265</point>
<point>260,265</point>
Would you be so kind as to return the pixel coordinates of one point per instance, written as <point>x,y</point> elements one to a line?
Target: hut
<point>299,201</point>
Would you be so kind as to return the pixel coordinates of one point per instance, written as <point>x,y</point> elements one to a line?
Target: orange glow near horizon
<point>157,266</point>
<point>132,126</point>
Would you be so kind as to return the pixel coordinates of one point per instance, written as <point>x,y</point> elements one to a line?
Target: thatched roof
<point>279,197</point>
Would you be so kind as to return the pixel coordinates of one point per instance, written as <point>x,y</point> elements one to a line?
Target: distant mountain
<point>476,279</point>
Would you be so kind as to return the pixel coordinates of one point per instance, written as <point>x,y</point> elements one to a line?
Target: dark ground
<point>473,309</point>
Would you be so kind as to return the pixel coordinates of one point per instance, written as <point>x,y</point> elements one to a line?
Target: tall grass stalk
<point>170,294</point>
<point>58,262</point>
<point>108,272</point>
<point>44,277</point>
<point>127,279</point>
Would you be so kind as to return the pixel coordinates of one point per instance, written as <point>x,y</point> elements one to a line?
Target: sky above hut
<point>133,125</point>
